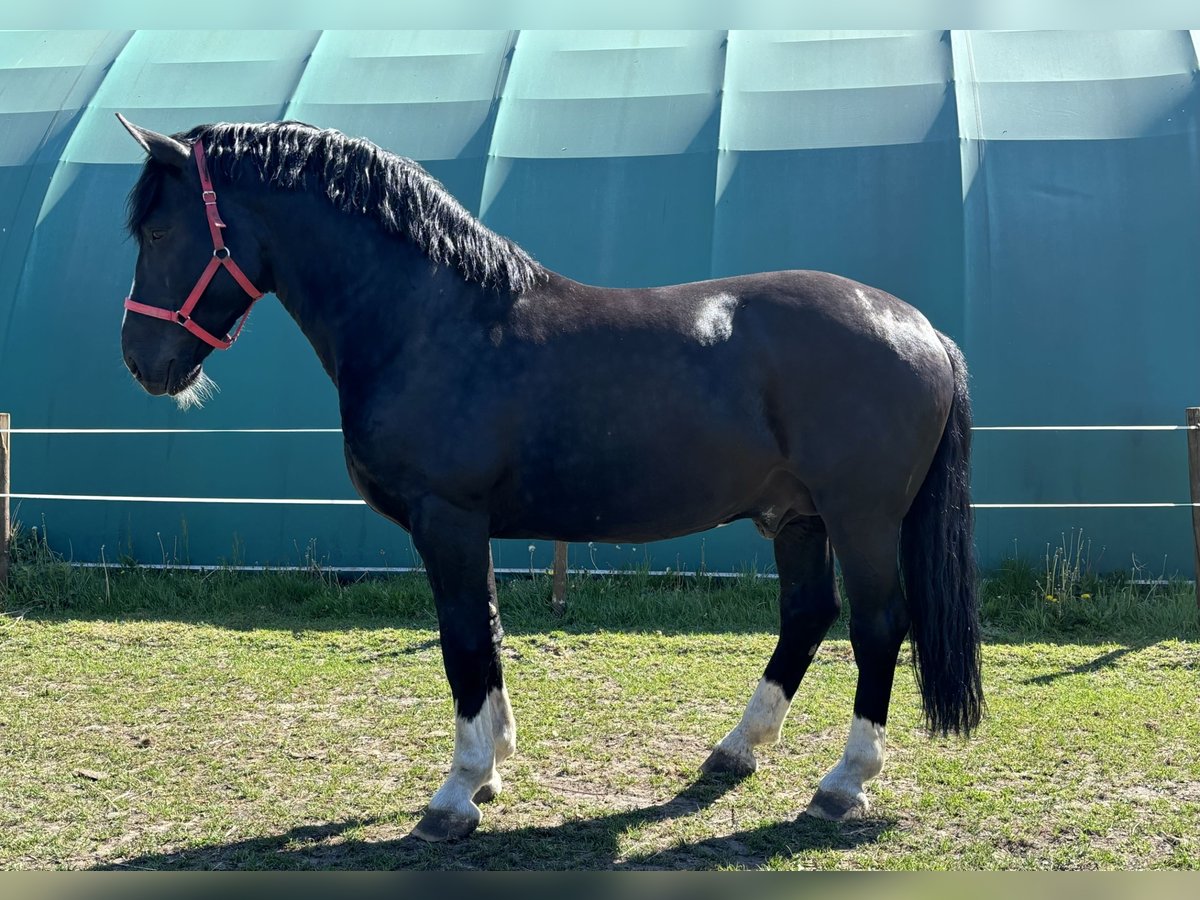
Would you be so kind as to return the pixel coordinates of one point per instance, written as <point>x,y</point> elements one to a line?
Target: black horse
<point>483,396</point>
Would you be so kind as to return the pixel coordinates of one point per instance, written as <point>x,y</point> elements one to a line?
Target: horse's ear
<point>162,147</point>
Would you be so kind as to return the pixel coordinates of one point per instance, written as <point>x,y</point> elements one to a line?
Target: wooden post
<point>559,597</point>
<point>5,488</point>
<point>1193,441</point>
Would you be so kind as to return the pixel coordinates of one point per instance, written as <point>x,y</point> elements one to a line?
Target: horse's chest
<point>373,487</point>
<point>399,459</point>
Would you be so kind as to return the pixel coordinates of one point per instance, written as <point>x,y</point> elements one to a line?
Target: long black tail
<point>938,561</point>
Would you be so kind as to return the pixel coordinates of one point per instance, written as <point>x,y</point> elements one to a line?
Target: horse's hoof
<point>488,792</point>
<point>442,825</point>
<point>720,762</point>
<point>837,807</point>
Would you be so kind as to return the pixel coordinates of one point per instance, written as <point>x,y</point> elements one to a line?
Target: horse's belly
<point>649,500</point>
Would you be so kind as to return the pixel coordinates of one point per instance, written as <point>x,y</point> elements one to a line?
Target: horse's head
<point>181,306</point>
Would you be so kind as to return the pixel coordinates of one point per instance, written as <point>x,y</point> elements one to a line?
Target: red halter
<point>220,257</point>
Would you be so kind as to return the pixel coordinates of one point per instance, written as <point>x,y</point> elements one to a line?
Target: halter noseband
<point>220,257</point>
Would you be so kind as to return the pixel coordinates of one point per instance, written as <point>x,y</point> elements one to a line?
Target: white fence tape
<point>175,431</point>
<point>292,501</point>
<point>339,431</point>
<point>298,501</point>
<point>261,501</point>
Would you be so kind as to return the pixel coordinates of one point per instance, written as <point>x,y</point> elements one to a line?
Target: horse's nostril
<point>133,369</point>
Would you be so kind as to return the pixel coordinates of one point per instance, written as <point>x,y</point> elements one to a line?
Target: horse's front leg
<point>454,547</point>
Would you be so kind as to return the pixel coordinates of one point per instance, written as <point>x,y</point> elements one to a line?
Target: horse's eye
<point>157,234</point>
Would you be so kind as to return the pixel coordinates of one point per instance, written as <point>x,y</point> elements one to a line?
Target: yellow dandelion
<point>1085,596</point>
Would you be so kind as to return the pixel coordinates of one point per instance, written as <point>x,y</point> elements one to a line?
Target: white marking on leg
<point>504,736</point>
<point>761,723</point>
<point>861,761</point>
<point>714,319</point>
<point>504,726</point>
<point>473,766</point>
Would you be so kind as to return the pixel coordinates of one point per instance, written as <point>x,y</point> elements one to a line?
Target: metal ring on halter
<point>217,251</point>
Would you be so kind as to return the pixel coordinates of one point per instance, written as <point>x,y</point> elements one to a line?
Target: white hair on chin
<point>197,393</point>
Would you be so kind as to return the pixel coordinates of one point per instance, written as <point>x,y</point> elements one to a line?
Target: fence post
<point>1193,441</point>
<point>5,489</point>
<point>559,596</point>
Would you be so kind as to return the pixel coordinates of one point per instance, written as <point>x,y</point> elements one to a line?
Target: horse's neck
<point>354,291</point>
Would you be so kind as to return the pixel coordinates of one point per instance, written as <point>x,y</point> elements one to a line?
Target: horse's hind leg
<point>808,605</point>
<point>879,621</point>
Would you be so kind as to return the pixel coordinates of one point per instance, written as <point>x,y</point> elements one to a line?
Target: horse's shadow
<point>1104,661</point>
<point>585,843</point>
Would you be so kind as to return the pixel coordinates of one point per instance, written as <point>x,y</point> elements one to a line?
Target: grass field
<point>167,720</point>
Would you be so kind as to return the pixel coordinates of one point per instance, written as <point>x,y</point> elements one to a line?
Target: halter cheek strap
<point>220,258</point>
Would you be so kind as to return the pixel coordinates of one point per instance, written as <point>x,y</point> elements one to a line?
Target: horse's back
<point>826,341</point>
<point>795,307</point>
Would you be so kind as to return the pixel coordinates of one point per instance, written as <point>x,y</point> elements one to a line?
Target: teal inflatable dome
<point>1036,194</point>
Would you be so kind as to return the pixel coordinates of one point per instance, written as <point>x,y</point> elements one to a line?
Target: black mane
<point>357,177</point>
